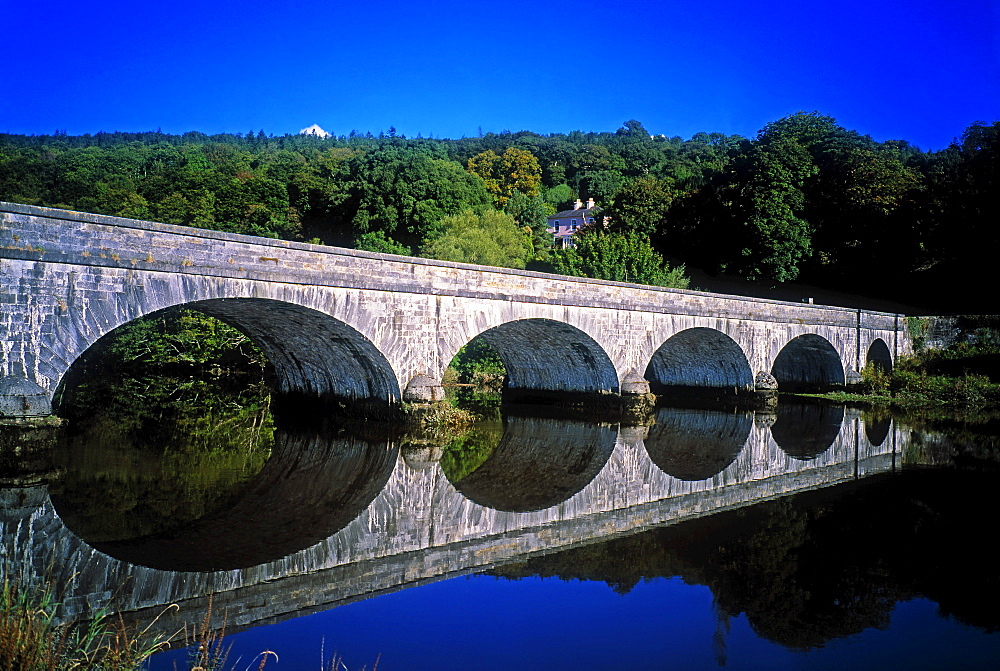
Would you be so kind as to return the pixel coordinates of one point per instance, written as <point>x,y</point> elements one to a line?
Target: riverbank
<point>953,376</point>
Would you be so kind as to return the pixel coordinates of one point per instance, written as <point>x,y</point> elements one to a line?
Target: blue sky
<point>916,70</point>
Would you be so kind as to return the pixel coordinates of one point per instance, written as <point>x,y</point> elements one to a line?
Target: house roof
<point>581,212</point>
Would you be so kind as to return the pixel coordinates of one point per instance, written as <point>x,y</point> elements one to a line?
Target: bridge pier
<point>22,399</point>
<point>423,389</point>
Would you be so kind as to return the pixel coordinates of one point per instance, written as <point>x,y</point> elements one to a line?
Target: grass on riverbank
<point>963,377</point>
<point>31,639</point>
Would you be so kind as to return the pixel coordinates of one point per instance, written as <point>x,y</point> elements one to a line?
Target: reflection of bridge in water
<point>374,523</point>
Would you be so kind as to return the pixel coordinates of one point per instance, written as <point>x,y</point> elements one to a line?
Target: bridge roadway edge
<point>62,269</point>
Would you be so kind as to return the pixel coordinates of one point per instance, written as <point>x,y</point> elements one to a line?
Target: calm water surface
<point>815,537</point>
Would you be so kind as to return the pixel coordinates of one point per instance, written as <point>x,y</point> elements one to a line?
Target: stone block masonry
<point>360,326</point>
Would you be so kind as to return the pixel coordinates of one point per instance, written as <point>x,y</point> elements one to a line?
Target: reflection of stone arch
<point>538,463</point>
<point>879,356</point>
<point>311,487</point>
<point>808,363</point>
<point>696,444</point>
<point>544,355</point>
<point>314,355</point>
<point>806,430</point>
<point>877,428</point>
<point>699,357</point>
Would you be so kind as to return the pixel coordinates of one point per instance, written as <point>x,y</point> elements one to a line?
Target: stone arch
<point>808,363</point>
<point>699,358</point>
<point>315,356</point>
<point>879,356</point>
<point>548,356</point>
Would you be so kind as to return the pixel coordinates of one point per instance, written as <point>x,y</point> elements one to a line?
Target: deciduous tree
<point>516,171</point>
<point>489,238</point>
<point>619,257</point>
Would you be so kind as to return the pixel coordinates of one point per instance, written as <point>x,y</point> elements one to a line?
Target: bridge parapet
<point>60,236</point>
<point>68,278</point>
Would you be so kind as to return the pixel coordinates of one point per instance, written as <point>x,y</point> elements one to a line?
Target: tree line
<point>806,199</point>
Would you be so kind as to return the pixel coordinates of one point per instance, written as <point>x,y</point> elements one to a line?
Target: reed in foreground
<point>31,639</point>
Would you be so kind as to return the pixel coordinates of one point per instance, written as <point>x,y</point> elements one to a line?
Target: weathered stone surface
<point>346,325</point>
<point>765,382</point>
<point>423,389</point>
<point>635,385</point>
<point>23,398</point>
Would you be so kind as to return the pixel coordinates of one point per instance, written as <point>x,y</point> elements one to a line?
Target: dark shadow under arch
<point>316,357</point>
<point>877,427</point>
<point>548,357</point>
<point>698,359</point>
<point>808,363</point>
<point>879,356</point>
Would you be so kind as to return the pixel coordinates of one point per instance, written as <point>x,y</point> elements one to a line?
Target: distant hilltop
<point>314,130</point>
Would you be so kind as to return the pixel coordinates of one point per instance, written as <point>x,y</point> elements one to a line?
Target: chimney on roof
<point>578,204</point>
<point>590,203</point>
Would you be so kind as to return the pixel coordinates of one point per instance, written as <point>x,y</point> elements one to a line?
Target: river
<point>816,536</point>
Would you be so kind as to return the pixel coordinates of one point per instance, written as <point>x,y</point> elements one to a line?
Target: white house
<point>562,225</point>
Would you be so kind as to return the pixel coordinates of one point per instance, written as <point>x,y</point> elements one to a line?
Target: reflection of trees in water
<point>312,486</point>
<point>696,444</point>
<point>467,452</point>
<point>189,475</point>
<point>536,464</point>
<point>146,454</point>
<point>817,566</point>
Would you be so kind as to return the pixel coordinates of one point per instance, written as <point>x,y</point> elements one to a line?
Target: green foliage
<point>489,238</point>
<point>31,638</point>
<point>406,194</point>
<point>466,453</point>
<point>158,451</point>
<point>530,215</point>
<point>178,393</point>
<point>806,199</point>
<point>964,376</point>
<point>775,240</point>
<point>876,380</point>
<point>185,337</point>
<point>376,241</point>
<point>559,197</point>
<point>917,328</point>
<point>618,257</point>
<point>602,185</point>
<point>917,387</point>
<point>516,171</point>
<point>642,206</point>
<point>855,187</point>
<point>478,363</point>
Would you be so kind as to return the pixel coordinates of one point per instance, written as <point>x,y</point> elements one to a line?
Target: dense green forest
<point>805,200</point>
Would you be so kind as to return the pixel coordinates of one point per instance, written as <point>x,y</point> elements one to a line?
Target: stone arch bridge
<point>351,326</point>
